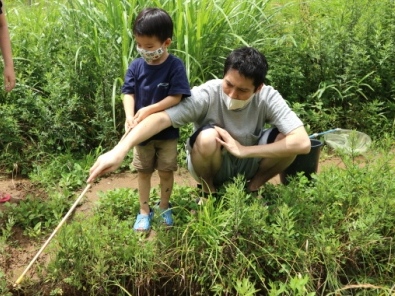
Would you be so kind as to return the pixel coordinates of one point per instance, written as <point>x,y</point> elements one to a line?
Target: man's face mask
<point>150,56</point>
<point>234,104</point>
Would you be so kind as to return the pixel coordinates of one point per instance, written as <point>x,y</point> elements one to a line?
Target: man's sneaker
<point>166,215</point>
<point>143,222</point>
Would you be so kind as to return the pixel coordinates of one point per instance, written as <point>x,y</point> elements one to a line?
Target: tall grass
<point>205,31</point>
<point>71,57</point>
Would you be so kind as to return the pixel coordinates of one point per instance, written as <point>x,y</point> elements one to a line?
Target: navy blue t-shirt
<point>152,83</point>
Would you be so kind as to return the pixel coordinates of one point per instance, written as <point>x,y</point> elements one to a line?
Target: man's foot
<point>143,222</point>
<point>205,195</point>
<point>4,197</point>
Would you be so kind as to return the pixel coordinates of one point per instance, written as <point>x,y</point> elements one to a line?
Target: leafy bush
<point>314,238</point>
<point>332,62</point>
<point>329,56</point>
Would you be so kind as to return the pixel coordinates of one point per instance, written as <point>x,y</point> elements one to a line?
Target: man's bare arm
<point>111,160</point>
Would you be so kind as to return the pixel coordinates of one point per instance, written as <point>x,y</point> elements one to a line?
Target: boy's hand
<point>130,123</point>
<point>142,113</point>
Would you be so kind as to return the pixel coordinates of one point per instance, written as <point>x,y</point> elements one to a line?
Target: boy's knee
<point>165,174</point>
<point>144,174</point>
<point>166,178</point>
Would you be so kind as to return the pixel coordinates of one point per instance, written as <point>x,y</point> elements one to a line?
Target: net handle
<point>315,135</point>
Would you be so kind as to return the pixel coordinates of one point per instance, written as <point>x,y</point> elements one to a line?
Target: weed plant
<point>329,236</point>
<point>53,191</point>
<point>332,235</point>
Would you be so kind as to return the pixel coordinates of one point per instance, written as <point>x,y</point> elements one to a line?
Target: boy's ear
<point>167,42</point>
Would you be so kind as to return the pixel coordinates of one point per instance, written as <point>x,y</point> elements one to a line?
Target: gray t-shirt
<point>207,105</point>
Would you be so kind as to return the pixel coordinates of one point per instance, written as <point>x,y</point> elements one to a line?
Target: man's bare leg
<point>206,158</point>
<point>268,168</point>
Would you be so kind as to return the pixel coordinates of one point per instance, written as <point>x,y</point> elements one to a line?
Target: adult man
<point>229,116</point>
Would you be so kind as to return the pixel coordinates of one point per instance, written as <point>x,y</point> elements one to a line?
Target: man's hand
<point>107,162</point>
<point>111,160</point>
<point>230,144</point>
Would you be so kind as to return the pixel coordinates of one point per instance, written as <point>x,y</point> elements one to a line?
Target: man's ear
<point>259,87</point>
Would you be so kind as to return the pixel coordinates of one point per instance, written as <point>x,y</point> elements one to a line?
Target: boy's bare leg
<point>144,184</point>
<point>166,188</point>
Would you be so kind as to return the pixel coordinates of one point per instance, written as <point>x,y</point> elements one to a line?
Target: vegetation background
<point>331,60</point>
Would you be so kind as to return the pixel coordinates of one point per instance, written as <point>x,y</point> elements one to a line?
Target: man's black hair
<point>249,62</point>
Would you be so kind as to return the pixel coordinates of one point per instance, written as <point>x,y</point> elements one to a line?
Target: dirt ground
<point>17,256</point>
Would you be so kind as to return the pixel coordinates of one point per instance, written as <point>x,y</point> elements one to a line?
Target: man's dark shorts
<point>231,165</point>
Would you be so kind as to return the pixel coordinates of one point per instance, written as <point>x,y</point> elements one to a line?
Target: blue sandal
<point>143,222</point>
<point>166,215</point>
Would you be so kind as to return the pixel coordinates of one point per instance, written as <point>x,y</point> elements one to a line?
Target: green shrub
<point>331,62</point>
<point>313,238</point>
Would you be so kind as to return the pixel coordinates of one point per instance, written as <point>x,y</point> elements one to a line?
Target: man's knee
<point>196,134</point>
<point>270,135</point>
<point>206,141</point>
<point>203,141</point>
<point>279,137</point>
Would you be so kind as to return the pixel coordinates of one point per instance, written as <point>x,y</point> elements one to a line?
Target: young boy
<point>154,82</point>
<point>9,74</point>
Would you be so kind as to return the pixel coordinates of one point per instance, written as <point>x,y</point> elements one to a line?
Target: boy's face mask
<point>149,55</point>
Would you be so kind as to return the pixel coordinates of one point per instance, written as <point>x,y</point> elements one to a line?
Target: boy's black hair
<point>249,62</point>
<point>154,22</point>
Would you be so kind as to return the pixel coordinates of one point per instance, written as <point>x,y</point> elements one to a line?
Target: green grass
<point>330,237</point>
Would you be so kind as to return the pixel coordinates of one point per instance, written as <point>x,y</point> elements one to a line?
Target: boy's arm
<point>167,102</point>
<point>128,106</point>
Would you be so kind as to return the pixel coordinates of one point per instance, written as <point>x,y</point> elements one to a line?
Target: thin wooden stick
<point>126,133</point>
<point>19,280</point>
<point>52,235</point>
